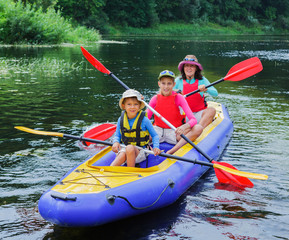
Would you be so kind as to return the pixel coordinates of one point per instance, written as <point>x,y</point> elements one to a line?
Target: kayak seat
<point>155,160</point>
<point>149,162</point>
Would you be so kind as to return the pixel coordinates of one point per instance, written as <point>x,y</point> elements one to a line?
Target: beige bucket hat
<point>131,93</point>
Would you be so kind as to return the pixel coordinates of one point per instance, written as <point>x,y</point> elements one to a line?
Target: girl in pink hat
<point>191,80</point>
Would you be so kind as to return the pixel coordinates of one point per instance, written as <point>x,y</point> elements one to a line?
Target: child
<point>133,129</point>
<point>167,104</point>
<point>192,80</point>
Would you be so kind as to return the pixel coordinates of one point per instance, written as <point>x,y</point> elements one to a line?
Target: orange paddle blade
<point>244,69</point>
<point>100,132</point>
<point>228,178</point>
<point>97,64</point>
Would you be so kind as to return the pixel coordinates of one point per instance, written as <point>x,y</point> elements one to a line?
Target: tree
<point>86,12</point>
<point>44,4</point>
<point>138,13</point>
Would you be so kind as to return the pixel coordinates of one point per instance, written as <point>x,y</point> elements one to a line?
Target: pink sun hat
<point>189,59</point>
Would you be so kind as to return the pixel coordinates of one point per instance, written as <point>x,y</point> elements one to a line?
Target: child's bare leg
<point>131,154</point>
<point>191,134</point>
<point>120,159</point>
<point>207,116</point>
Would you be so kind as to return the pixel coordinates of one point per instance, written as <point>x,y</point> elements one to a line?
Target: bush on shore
<point>21,23</point>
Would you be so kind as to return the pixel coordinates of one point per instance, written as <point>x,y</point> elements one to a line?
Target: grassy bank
<point>197,29</point>
<point>21,23</point>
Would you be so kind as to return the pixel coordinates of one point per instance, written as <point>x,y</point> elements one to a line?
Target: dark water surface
<point>53,88</point>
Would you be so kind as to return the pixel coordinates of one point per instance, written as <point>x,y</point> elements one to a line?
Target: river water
<point>54,88</point>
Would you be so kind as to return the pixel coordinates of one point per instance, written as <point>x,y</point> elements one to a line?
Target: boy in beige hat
<point>133,129</point>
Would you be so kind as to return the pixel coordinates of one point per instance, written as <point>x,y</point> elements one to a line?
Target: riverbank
<point>25,24</point>
<point>182,29</point>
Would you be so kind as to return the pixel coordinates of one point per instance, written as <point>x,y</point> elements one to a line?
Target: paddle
<point>100,132</point>
<point>238,72</point>
<point>226,170</point>
<point>99,66</point>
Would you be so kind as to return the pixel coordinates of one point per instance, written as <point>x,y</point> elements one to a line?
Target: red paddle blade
<point>228,178</point>
<point>97,64</point>
<point>244,69</point>
<point>101,132</point>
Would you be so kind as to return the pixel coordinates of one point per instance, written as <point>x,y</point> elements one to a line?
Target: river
<point>53,88</point>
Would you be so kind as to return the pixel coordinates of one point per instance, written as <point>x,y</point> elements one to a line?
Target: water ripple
<point>271,55</point>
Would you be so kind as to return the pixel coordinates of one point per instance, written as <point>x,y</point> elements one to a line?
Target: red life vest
<point>195,101</point>
<point>167,107</point>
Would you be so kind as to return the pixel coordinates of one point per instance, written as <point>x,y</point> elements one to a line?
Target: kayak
<point>94,193</point>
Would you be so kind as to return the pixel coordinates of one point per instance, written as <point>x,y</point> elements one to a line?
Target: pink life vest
<point>195,101</point>
<point>167,107</point>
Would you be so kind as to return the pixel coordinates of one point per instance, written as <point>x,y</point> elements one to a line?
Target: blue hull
<point>145,193</point>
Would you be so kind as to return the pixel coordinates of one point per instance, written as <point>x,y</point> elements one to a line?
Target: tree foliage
<point>142,14</point>
<point>102,14</point>
<point>138,13</point>
<point>86,12</point>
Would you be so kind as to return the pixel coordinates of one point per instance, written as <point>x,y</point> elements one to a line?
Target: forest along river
<point>54,88</point>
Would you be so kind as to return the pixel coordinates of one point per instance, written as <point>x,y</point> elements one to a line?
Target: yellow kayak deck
<point>89,178</point>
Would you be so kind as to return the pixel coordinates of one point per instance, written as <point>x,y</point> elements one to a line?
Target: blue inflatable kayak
<point>94,193</point>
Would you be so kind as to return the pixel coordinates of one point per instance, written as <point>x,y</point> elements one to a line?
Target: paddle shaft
<point>226,170</point>
<point>165,120</point>
<point>219,166</point>
<point>244,70</point>
<point>210,85</point>
<point>147,151</point>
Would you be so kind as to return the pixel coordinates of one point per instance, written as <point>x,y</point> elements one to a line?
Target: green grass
<point>197,29</point>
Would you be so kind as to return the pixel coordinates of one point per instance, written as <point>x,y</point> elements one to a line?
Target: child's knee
<point>212,111</point>
<point>129,149</point>
<point>198,129</point>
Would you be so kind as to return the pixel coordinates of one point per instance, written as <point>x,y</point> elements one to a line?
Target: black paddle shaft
<point>210,85</point>
<point>161,154</point>
<point>119,81</point>
<point>87,139</point>
<point>197,148</point>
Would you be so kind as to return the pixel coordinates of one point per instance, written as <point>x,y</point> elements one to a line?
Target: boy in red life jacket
<point>192,80</point>
<point>167,104</point>
<point>133,129</point>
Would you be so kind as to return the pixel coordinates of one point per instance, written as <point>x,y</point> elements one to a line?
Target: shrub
<point>21,23</point>
<point>283,22</point>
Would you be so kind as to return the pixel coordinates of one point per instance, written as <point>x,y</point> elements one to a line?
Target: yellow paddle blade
<point>242,174</point>
<point>33,131</point>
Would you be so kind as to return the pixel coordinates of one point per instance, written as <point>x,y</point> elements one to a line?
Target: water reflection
<point>150,224</point>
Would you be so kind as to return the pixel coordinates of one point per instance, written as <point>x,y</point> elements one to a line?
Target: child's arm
<point>155,140</point>
<point>117,138</point>
<point>182,102</point>
<point>116,147</point>
<point>211,90</point>
<point>152,103</point>
<point>155,137</point>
